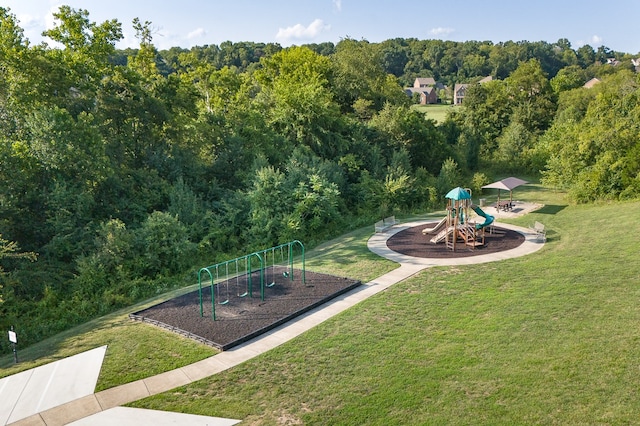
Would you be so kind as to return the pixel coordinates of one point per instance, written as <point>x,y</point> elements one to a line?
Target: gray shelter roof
<point>507,184</point>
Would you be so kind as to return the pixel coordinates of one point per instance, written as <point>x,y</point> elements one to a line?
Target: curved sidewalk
<point>101,408</point>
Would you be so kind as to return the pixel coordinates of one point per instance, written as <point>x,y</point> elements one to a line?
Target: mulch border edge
<point>223,347</point>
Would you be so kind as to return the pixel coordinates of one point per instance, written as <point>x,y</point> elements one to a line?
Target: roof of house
<point>589,84</point>
<point>460,86</point>
<point>424,81</point>
<point>425,90</point>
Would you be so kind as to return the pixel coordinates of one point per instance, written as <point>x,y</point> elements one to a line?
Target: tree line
<point>124,171</point>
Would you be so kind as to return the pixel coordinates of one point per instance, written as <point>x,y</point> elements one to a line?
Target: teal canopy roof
<point>458,194</point>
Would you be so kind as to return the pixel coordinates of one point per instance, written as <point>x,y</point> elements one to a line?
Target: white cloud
<point>49,20</point>
<point>441,31</point>
<point>28,22</point>
<point>593,41</point>
<point>300,32</point>
<point>197,33</point>
<point>338,5</point>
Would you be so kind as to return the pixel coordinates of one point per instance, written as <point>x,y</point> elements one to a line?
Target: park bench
<point>384,224</point>
<point>539,231</point>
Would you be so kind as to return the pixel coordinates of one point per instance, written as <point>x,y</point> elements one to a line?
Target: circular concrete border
<point>378,244</point>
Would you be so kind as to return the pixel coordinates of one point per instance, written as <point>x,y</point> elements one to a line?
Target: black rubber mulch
<point>412,242</point>
<point>243,318</point>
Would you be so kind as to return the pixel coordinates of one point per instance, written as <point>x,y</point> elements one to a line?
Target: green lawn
<point>549,338</point>
<point>437,112</point>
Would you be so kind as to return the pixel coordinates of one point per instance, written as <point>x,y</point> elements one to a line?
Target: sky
<point>187,23</point>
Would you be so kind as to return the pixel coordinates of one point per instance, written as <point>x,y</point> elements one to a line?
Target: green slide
<point>488,219</point>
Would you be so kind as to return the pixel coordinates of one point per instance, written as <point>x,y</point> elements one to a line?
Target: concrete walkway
<point>101,408</point>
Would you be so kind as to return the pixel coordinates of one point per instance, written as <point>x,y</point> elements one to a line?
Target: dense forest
<point>124,171</point>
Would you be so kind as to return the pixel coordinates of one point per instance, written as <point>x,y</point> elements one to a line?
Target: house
<point>589,84</point>
<point>424,82</point>
<point>427,88</point>
<point>460,90</point>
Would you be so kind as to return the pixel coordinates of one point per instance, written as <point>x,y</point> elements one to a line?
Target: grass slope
<point>550,338</point>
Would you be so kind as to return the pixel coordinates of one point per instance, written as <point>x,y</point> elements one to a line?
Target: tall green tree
<point>358,74</point>
<point>531,96</point>
<point>297,101</point>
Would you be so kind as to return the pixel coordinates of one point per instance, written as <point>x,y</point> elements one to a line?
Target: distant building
<point>460,90</point>
<point>427,88</point>
<point>589,84</point>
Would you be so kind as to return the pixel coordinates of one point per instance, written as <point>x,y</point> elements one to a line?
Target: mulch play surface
<point>243,318</point>
<point>412,242</point>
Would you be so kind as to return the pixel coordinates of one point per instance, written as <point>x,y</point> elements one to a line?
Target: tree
<point>315,209</point>
<point>410,130</point>
<point>358,74</point>
<point>297,100</point>
<point>449,177</point>
<point>269,200</point>
<point>145,59</point>
<point>530,93</point>
<point>78,68</point>
<point>596,157</point>
<point>586,56</point>
<point>77,34</point>
<point>164,245</point>
<point>512,147</point>
<point>11,250</point>
<point>568,78</point>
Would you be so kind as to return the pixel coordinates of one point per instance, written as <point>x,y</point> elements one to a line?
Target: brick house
<point>427,87</point>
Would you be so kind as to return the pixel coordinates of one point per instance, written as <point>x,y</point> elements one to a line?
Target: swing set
<point>237,274</point>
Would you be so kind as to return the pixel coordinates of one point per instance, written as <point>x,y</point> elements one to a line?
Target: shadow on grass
<point>551,209</point>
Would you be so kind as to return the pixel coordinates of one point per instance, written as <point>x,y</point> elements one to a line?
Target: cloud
<point>338,5</point>
<point>28,22</point>
<point>197,33</point>
<point>300,32</point>
<point>441,31</point>
<point>49,20</point>
<point>596,40</point>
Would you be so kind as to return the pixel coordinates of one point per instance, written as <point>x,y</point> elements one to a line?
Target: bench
<point>385,224</point>
<point>539,231</point>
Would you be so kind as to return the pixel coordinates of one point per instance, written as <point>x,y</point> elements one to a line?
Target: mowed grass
<point>437,112</point>
<point>137,350</point>
<point>550,338</point>
<point>134,350</point>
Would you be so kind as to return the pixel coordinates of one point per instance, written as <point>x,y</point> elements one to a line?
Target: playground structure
<point>238,275</point>
<point>456,225</point>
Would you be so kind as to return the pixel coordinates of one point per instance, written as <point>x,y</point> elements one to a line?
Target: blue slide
<point>488,219</point>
